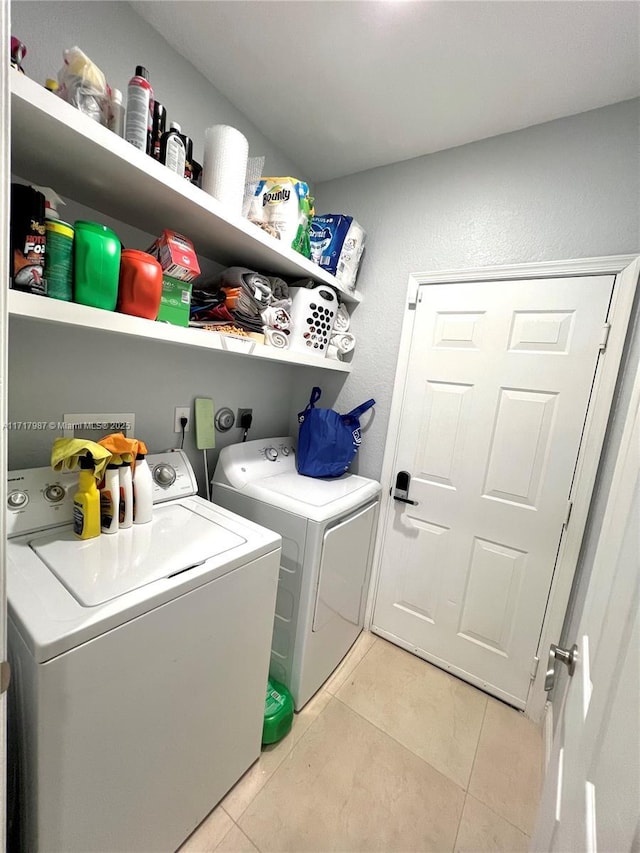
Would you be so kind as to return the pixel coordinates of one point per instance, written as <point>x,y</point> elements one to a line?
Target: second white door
<point>495,400</point>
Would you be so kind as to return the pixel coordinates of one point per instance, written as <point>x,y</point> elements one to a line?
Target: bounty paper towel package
<point>337,243</point>
<point>283,208</point>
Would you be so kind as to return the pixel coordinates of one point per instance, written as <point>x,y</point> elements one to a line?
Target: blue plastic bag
<point>327,440</point>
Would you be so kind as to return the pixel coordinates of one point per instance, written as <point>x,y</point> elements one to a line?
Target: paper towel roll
<point>275,338</point>
<point>226,152</point>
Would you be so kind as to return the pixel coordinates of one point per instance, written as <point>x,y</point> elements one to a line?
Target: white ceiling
<point>346,85</point>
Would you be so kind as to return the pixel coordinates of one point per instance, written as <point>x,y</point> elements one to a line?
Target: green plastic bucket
<point>278,712</point>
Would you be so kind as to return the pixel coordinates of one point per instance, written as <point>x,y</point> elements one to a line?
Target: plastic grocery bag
<point>327,440</point>
<point>83,85</point>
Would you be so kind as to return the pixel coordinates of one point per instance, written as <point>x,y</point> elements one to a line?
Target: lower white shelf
<point>45,310</point>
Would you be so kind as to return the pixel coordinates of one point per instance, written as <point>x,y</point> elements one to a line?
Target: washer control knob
<point>17,500</point>
<point>285,450</point>
<point>54,493</point>
<point>271,453</point>
<point>164,475</point>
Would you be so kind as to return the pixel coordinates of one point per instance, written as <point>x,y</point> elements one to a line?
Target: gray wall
<point>53,371</point>
<point>566,189</point>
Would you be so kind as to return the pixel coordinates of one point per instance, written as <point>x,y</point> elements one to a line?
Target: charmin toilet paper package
<point>337,242</point>
<point>283,208</point>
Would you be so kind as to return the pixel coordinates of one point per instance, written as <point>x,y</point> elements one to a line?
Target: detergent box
<point>175,301</point>
<point>176,255</point>
<point>337,242</point>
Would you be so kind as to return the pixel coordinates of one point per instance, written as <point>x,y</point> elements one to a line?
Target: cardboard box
<point>176,255</point>
<point>175,301</point>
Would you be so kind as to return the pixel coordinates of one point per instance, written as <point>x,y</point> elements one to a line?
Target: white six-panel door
<point>499,380</point>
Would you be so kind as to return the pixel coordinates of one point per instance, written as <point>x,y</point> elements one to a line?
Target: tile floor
<point>392,754</point>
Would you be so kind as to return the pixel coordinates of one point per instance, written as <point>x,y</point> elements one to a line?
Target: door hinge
<point>534,667</point>
<point>565,523</point>
<point>604,337</point>
<point>5,676</point>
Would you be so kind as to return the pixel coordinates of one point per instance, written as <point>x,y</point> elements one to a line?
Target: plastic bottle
<point>142,491</point>
<point>116,112</point>
<point>172,150</point>
<point>96,265</point>
<point>159,127</point>
<point>86,502</point>
<point>188,156</point>
<point>125,514</point>
<point>139,121</point>
<point>140,284</point>
<point>58,260</point>
<point>28,240</point>
<point>110,500</point>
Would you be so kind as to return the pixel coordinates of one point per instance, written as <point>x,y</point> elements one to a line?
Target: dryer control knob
<point>271,453</point>
<point>164,475</point>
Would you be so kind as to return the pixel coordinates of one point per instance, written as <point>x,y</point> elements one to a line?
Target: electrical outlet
<point>242,412</point>
<point>182,412</point>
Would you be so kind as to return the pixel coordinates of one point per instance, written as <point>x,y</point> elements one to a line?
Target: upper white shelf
<point>55,145</point>
<point>46,310</point>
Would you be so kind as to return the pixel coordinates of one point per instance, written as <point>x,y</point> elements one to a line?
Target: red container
<point>140,285</point>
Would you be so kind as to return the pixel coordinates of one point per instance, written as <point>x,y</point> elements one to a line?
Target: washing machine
<point>139,663</point>
<point>328,531</point>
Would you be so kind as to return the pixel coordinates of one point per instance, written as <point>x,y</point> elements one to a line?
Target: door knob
<point>401,491</point>
<point>566,656</point>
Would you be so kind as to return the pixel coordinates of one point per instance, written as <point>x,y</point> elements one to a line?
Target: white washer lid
<point>97,570</point>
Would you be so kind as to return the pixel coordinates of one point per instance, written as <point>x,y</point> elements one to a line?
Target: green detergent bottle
<point>278,712</point>
<point>96,256</point>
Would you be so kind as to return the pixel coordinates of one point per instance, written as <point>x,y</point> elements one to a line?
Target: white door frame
<point>591,445</point>
<point>5,178</point>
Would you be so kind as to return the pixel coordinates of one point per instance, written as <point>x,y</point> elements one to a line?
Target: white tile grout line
<point>475,754</point>
<point>473,764</point>
<point>399,743</point>
<point>240,829</point>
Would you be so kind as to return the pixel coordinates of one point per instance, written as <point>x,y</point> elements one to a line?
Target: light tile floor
<point>392,755</point>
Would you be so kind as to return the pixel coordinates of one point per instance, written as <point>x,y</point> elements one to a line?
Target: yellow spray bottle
<point>86,502</point>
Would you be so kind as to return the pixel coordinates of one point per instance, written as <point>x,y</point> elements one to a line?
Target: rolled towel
<point>334,352</point>
<point>66,453</point>
<point>344,341</point>
<point>343,319</point>
<point>279,288</point>
<point>275,338</point>
<point>277,316</point>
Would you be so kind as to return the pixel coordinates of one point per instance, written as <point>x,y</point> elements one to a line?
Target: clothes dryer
<point>139,663</point>
<point>328,531</point>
